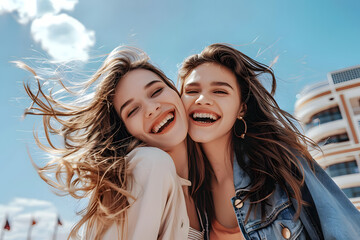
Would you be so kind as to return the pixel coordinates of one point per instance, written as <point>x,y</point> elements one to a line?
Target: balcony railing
<point>352,192</point>
<point>343,168</point>
<point>321,119</point>
<point>311,88</point>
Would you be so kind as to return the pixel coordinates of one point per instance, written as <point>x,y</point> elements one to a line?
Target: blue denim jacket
<point>339,219</point>
<point>336,217</point>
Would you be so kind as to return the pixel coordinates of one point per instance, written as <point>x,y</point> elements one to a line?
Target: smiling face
<point>211,97</point>
<point>150,109</point>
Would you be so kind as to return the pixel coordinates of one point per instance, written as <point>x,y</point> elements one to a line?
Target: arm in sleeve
<point>338,217</point>
<point>154,187</point>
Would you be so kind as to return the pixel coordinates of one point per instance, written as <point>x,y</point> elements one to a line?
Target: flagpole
<point>32,223</point>
<point>2,234</point>
<point>58,222</point>
<point>29,232</point>
<point>55,231</point>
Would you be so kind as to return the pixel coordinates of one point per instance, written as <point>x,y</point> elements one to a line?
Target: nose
<point>152,109</point>
<point>203,100</point>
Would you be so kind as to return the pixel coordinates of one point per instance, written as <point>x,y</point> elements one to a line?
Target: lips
<point>163,122</point>
<point>204,117</point>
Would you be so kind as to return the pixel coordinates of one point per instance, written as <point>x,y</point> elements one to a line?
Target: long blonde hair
<point>92,161</point>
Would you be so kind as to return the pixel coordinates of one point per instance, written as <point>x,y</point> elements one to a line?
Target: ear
<point>242,110</point>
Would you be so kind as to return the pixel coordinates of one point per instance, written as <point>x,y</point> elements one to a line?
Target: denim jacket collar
<point>241,179</point>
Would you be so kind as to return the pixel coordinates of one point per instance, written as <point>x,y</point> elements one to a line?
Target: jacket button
<point>286,233</point>
<point>238,203</point>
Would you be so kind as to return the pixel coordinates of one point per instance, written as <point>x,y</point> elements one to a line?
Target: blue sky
<point>307,38</point>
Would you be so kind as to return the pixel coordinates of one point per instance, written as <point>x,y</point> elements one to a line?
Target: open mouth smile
<point>204,118</point>
<point>159,127</point>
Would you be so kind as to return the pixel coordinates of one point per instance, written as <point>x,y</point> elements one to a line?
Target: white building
<point>330,114</point>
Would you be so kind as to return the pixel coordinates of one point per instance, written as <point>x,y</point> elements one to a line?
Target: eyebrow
<point>151,83</point>
<point>125,104</point>
<point>195,84</point>
<point>131,99</point>
<point>192,84</point>
<point>221,84</point>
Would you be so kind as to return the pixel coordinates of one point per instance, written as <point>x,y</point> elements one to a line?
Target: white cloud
<point>27,10</point>
<point>63,4</point>
<point>21,211</point>
<point>63,37</point>
<point>10,209</point>
<point>25,202</point>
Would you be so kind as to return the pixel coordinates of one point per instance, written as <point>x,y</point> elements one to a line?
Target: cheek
<point>231,107</point>
<point>231,118</point>
<point>186,102</point>
<point>133,127</point>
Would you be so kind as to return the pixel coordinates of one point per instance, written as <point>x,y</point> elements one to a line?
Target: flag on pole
<point>7,225</point>
<point>32,223</point>
<point>59,222</point>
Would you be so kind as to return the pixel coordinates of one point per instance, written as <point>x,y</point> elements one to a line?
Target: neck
<point>180,158</point>
<point>220,155</point>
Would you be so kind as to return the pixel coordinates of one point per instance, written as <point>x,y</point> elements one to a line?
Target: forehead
<point>207,73</point>
<point>133,84</point>
<point>135,81</point>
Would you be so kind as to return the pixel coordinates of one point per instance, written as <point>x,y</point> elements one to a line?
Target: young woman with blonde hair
<point>124,150</point>
<point>260,180</point>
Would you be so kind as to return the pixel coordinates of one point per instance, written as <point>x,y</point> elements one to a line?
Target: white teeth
<point>162,123</point>
<point>205,115</point>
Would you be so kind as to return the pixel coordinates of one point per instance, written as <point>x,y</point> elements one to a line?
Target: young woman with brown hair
<point>257,164</point>
<point>111,154</point>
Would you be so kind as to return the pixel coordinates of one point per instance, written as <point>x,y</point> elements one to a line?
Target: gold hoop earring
<point>242,135</point>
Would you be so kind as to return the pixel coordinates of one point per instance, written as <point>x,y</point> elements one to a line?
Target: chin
<point>199,139</point>
<point>170,145</point>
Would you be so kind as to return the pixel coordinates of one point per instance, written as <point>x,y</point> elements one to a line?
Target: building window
<point>343,168</point>
<point>357,108</point>
<point>325,116</point>
<point>355,105</point>
<point>352,192</point>
<point>334,139</point>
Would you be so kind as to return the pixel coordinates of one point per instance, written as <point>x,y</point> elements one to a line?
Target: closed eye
<point>157,92</point>
<point>220,92</point>
<point>191,91</point>
<point>132,111</point>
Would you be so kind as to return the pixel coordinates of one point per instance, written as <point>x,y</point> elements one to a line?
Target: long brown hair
<point>92,161</point>
<point>272,143</point>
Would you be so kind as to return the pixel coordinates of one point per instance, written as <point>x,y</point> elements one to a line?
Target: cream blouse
<point>159,211</point>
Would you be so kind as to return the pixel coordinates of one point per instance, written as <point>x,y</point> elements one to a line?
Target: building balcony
<point>348,181</point>
<point>342,168</point>
<point>323,130</point>
<point>312,89</point>
<point>324,116</point>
